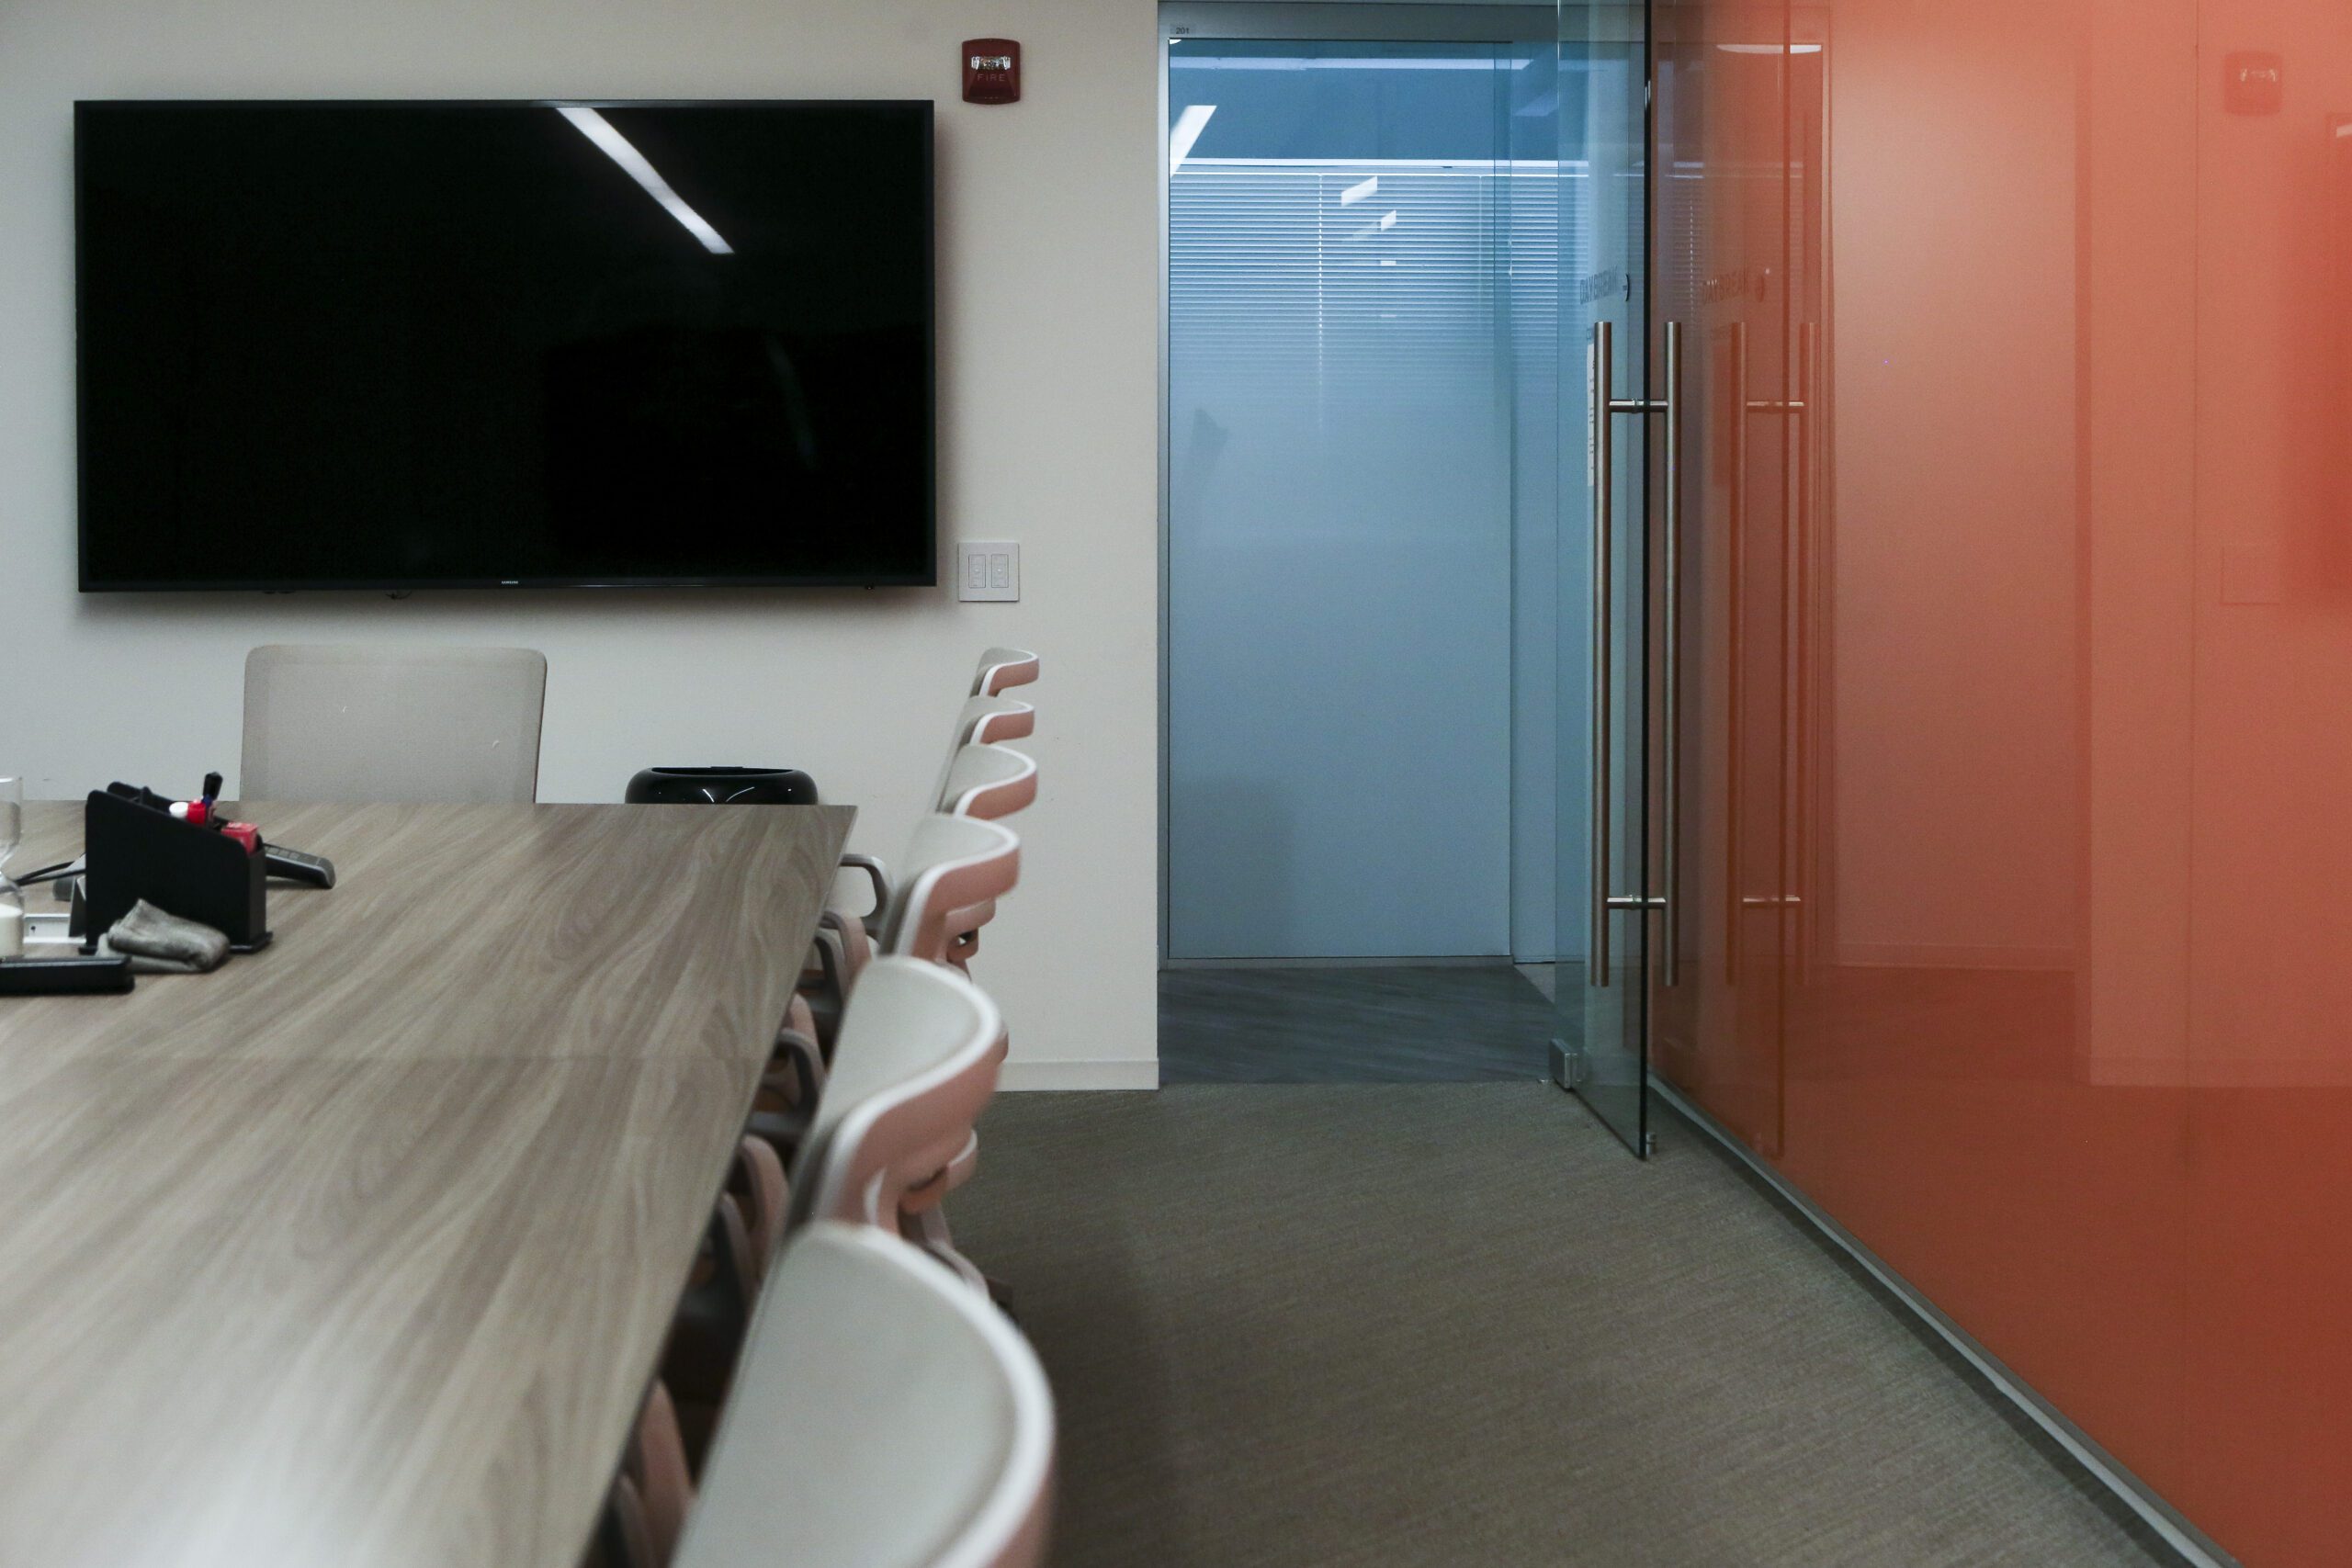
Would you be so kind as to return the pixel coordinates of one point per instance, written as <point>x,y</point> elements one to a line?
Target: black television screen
<point>401,345</point>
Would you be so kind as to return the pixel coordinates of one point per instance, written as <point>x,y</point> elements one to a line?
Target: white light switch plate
<point>987,568</point>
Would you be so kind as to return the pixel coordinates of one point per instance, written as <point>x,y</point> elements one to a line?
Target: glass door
<point>1342,409</point>
<point>1726,223</point>
<point>1614,567</point>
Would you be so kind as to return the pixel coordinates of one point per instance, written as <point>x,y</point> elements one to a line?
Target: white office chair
<point>988,782</point>
<point>947,858</point>
<point>844,940</point>
<point>988,720</point>
<point>884,1418</point>
<point>1004,668</point>
<point>373,723</point>
<point>847,938</point>
<point>985,721</point>
<point>953,864</point>
<point>920,1050</point>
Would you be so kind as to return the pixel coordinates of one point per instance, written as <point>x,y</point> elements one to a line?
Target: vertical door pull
<point>1670,555</point>
<point>1736,630</point>
<point>1605,404</point>
<point>1603,469</point>
<point>1797,587</point>
<point>1797,440</point>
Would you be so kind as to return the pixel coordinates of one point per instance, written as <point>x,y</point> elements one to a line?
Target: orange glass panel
<point>1944,1098</point>
<point>1725,221</point>
<point>2055,587</point>
<point>2064,788</point>
<point>2269,1375</point>
<point>2049,807</point>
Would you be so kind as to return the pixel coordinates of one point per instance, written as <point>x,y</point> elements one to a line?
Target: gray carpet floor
<point>1457,1325</point>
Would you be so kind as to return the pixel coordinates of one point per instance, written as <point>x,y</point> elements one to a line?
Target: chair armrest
<point>879,876</point>
<point>798,1054</point>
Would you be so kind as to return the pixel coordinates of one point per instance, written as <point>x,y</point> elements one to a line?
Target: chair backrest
<point>886,1415</point>
<point>1000,668</point>
<point>376,723</point>
<point>988,782</point>
<point>984,722</point>
<point>914,1067</point>
<point>951,863</point>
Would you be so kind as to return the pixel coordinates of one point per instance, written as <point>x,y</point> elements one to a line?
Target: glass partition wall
<point>1364,255</point>
<point>1899,452</point>
<point>1616,678</point>
<point>2000,864</point>
<point>1349,303</point>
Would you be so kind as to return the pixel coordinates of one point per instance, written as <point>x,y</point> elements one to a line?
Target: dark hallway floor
<point>1353,1023</point>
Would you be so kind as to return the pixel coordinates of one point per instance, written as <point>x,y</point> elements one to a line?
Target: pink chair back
<point>917,1062</point>
<point>951,863</point>
<point>1001,669</point>
<point>989,783</point>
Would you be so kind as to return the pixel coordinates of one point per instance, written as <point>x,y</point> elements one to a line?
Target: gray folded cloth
<point>158,943</point>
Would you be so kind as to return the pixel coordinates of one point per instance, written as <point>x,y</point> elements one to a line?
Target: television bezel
<point>925,110</point>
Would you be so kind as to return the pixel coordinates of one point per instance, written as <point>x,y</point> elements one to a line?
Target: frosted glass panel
<point>1343,424</point>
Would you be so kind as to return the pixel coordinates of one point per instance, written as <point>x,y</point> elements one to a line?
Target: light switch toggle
<point>987,570</point>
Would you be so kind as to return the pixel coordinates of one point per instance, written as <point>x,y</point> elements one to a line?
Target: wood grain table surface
<point>361,1250</point>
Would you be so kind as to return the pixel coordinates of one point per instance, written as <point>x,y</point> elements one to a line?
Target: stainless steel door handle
<point>1603,471</point>
<point>1605,404</point>
<point>1670,912</point>
<point>1736,637</point>
<point>1799,410</point>
<point>1796,580</point>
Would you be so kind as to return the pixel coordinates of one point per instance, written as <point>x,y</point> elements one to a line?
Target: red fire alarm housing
<point>991,71</point>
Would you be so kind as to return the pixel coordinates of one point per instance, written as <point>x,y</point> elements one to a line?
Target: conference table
<point>362,1249</point>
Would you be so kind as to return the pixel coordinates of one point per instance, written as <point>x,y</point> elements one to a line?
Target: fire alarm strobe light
<point>991,71</point>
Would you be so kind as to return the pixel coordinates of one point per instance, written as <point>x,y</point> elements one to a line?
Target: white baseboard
<point>1019,1074</point>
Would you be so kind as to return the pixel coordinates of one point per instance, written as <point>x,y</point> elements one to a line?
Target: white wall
<point>1048,281</point>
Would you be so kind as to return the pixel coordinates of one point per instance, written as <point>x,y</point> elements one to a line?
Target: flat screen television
<point>411,345</point>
